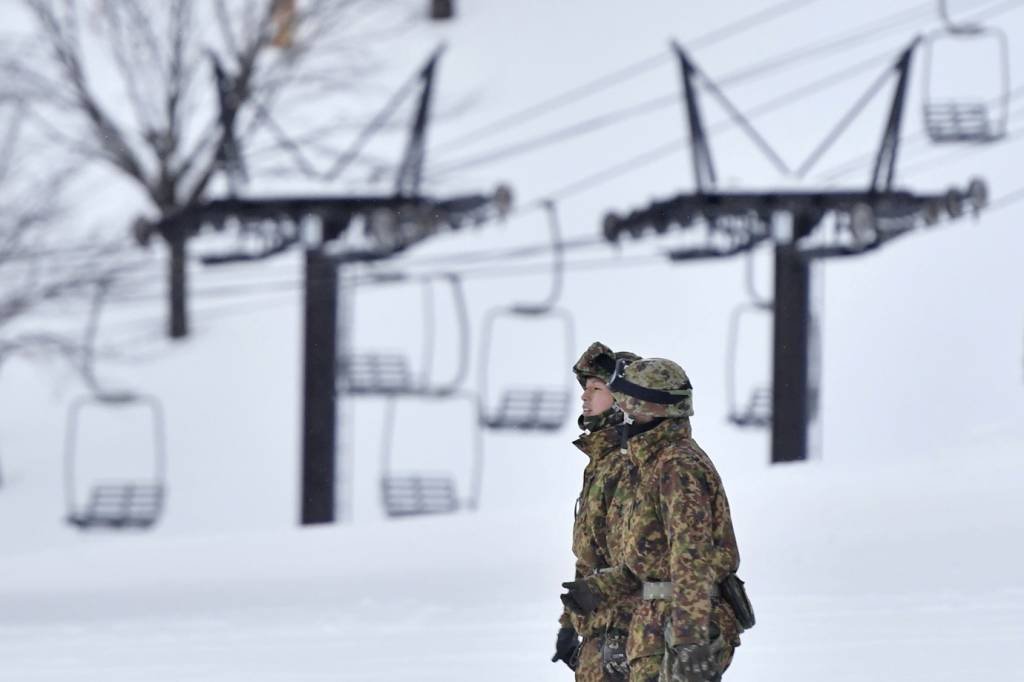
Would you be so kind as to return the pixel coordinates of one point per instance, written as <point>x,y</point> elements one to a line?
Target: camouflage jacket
<point>598,530</point>
<point>678,529</point>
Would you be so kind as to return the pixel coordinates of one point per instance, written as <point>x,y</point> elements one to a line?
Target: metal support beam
<point>319,409</point>
<point>411,169</point>
<point>703,166</point>
<point>178,283</point>
<point>791,346</point>
<point>789,355</point>
<point>885,163</point>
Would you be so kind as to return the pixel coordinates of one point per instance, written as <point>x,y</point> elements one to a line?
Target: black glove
<point>566,645</point>
<point>693,663</point>
<point>581,599</point>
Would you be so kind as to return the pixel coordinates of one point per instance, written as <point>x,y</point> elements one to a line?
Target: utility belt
<point>730,589</point>
<point>663,590</point>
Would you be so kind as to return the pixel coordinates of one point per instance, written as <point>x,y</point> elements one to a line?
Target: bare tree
<point>41,265</point>
<point>130,84</point>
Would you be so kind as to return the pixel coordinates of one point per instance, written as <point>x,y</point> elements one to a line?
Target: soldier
<point>681,550</point>
<point>599,525</point>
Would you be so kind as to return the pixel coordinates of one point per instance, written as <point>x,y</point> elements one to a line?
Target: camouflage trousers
<point>592,657</point>
<point>648,668</point>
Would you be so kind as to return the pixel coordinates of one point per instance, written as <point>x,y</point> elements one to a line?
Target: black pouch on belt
<point>613,657</point>
<point>734,593</point>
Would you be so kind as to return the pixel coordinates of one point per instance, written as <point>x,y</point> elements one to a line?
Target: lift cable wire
<point>850,40</point>
<point>871,31</point>
<point>855,38</point>
<point>570,96</point>
<point>624,74</point>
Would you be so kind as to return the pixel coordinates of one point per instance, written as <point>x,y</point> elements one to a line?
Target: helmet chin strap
<point>627,421</point>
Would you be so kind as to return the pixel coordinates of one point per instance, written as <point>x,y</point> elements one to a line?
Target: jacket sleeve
<point>686,509</point>
<point>569,619</point>
<point>614,583</point>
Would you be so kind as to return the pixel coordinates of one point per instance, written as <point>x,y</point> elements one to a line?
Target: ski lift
<point>389,374</point>
<point>135,503</point>
<point>530,408</point>
<point>418,493</point>
<point>113,504</point>
<point>977,120</point>
<point>757,411</point>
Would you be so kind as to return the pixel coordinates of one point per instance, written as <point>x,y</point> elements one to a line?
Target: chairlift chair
<point>390,374</point>
<point>976,120</point>
<point>757,411</point>
<point>136,503</point>
<point>420,493</point>
<point>535,407</point>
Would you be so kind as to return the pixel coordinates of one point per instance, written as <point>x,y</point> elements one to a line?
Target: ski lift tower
<point>862,220</point>
<point>326,226</point>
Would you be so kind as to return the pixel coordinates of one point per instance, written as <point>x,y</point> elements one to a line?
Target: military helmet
<point>598,361</point>
<point>652,387</point>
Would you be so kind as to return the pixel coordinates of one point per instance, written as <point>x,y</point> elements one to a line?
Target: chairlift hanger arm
<point>548,303</point>
<point>954,27</point>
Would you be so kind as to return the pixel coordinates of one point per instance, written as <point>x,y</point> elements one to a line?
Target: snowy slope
<point>905,572</point>
<point>892,556</point>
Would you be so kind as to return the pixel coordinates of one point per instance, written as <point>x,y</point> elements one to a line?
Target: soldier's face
<point>596,397</point>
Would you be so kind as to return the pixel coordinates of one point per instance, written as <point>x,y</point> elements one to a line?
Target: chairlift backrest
<point>126,504</point>
<point>378,373</point>
<point>409,493</point>
<point>970,118</point>
<point>758,409</point>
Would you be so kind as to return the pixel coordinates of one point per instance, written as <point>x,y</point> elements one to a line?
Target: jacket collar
<point>598,443</point>
<point>644,447</point>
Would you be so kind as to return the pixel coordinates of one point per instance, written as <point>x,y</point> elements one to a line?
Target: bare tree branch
<point>64,43</point>
<point>128,66</point>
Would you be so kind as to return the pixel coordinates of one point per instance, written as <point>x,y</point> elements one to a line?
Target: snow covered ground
<point>894,555</point>
<point>908,571</point>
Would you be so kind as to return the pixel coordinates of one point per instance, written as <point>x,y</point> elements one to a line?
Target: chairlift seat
<point>530,409</point>
<point>378,374</point>
<point>121,505</point>
<point>955,121</point>
<point>758,411</point>
<point>416,495</point>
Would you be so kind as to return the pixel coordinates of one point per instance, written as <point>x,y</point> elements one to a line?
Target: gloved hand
<point>566,645</point>
<point>581,599</point>
<point>692,663</point>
